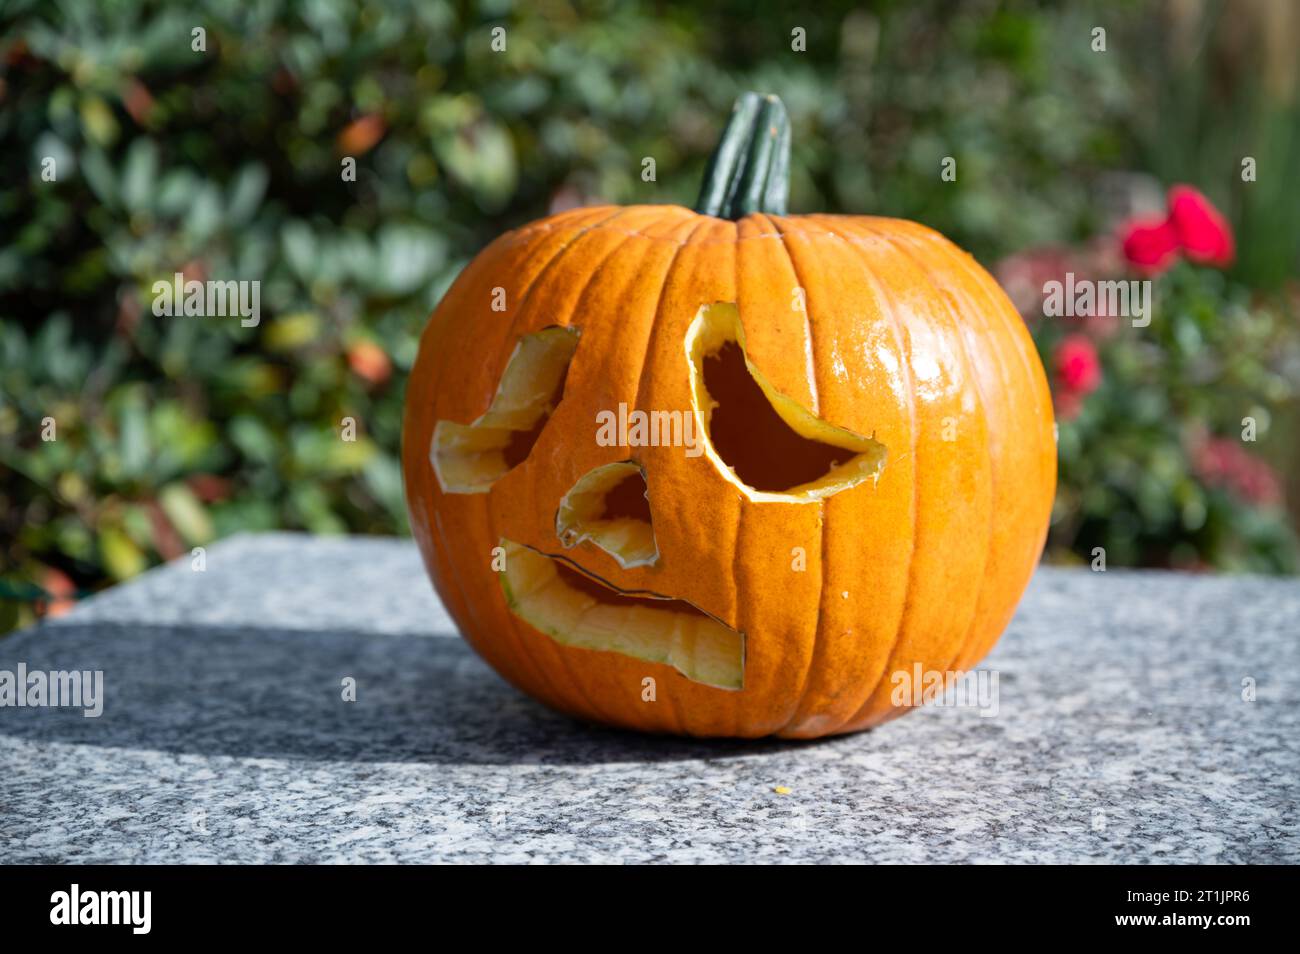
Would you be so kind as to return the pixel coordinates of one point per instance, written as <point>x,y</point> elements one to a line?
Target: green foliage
<point>226,164</point>
<point>1154,468</point>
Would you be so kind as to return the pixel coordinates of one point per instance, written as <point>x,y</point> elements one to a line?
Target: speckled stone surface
<point>1122,735</point>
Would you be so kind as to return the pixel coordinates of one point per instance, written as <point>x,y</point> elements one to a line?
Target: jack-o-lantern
<point>728,472</point>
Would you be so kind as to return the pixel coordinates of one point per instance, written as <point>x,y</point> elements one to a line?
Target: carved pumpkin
<point>725,472</point>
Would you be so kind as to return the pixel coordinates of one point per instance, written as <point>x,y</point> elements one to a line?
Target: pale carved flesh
<point>470,458</point>
<point>770,447</point>
<point>576,610</point>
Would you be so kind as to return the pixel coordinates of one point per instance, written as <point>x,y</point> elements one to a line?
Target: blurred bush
<point>1157,425</point>
<point>226,163</point>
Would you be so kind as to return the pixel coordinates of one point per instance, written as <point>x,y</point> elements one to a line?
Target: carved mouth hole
<point>470,458</point>
<point>577,610</point>
<point>602,594</point>
<point>766,442</point>
<point>608,507</point>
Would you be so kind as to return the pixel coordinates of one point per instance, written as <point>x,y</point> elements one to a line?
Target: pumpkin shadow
<point>271,693</point>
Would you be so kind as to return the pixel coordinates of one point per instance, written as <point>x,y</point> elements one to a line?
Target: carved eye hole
<point>470,458</point>
<point>766,443</point>
<point>608,507</point>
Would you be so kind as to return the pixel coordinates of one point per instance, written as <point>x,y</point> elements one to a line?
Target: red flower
<point>1193,226</point>
<point>1077,367</point>
<point>1078,372</point>
<point>1204,234</point>
<point>1151,245</point>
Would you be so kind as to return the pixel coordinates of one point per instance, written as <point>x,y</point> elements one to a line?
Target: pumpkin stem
<point>750,168</point>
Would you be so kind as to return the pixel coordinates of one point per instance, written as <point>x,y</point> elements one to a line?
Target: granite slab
<point>1143,717</point>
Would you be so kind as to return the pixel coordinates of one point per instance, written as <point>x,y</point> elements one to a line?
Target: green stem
<point>750,168</point>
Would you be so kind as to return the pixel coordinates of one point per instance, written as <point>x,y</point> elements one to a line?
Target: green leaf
<point>186,513</point>
<point>246,193</point>
<point>205,213</point>
<point>98,121</point>
<point>140,176</point>
<point>299,248</point>
<point>289,332</point>
<point>121,557</point>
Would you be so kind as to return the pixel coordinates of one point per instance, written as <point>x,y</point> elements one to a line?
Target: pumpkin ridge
<point>737,613</point>
<point>916,236</point>
<point>566,665</point>
<point>445,354</point>
<point>983,643</point>
<point>548,647</point>
<point>657,315</point>
<point>733,715</point>
<point>887,309</point>
<point>947,294</point>
<point>1037,381</point>
<point>809,348</point>
<point>857,713</point>
<point>888,305</point>
<point>523,650</point>
<point>818,646</point>
<point>814,656</point>
<point>442,543</point>
<point>546,226</point>
<point>674,718</point>
<point>675,713</point>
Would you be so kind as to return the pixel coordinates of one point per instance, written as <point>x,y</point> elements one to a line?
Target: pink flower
<point>1023,275</point>
<point>1221,462</point>
<point>1068,405</point>
<point>1193,227</point>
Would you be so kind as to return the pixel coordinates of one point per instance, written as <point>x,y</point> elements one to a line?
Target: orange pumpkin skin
<point>903,336</point>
